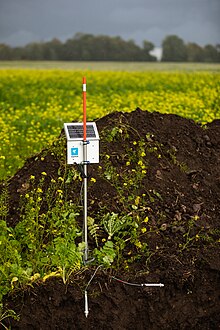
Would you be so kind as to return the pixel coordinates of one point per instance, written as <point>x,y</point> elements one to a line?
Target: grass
<point>112,66</point>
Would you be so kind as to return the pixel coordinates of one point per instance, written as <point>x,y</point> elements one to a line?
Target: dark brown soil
<point>187,179</point>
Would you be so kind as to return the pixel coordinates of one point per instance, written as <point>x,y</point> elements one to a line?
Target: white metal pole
<point>85,201</point>
<point>86,304</point>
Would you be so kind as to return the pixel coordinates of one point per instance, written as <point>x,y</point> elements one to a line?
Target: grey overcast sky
<point>24,21</point>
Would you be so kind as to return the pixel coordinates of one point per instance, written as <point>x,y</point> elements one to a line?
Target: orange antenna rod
<point>84,108</point>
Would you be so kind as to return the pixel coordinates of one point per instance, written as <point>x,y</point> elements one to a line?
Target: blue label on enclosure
<point>74,152</point>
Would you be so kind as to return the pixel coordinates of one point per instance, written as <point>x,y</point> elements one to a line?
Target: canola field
<point>34,103</point>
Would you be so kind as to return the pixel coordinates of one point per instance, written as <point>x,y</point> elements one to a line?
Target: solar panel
<point>76,131</point>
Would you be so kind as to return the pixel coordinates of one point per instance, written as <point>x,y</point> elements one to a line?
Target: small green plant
<point>172,155</point>
<point>188,236</point>
<point>113,223</point>
<point>9,313</point>
<point>10,259</point>
<point>65,256</point>
<point>124,232</point>
<point>114,134</point>
<point>120,132</point>
<point>58,151</point>
<point>93,229</point>
<point>106,255</point>
<point>4,203</point>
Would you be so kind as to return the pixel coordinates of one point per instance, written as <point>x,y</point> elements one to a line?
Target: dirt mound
<point>179,186</point>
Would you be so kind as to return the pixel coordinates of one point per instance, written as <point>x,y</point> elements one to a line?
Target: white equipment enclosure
<point>75,143</point>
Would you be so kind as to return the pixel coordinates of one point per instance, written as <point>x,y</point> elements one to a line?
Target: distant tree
<point>69,50</point>
<point>52,50</point>
<point>88,50</point>
<point>195,52</point>
<point>5,52</point>
<point>77,48</point>
<point>174,49</point>
<point>34,51</point>
<point>117,49</point>
<point>218,50</point>
<point>18,53</point>
<point>103,48</point>
<point>211,54</point>
<point>147,48</point>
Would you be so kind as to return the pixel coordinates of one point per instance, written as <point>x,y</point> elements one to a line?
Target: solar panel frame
<point>74,131</point>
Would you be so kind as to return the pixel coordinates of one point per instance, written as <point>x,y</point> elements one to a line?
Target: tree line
<point>87,47</point>
<point>175,49</point>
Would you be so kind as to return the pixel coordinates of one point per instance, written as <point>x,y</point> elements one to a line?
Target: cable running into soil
<point>137,284</point>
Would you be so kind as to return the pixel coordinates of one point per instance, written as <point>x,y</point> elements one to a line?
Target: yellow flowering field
<point>34,104</point>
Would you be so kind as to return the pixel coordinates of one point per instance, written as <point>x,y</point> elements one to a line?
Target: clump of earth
<point>185,184</point>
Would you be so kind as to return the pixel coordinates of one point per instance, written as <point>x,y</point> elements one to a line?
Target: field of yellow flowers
<point>34,104</point>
